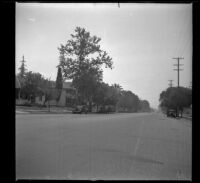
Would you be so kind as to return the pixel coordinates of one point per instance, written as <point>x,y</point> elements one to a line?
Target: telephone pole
<point>170,84</point>
<point>178,67</point>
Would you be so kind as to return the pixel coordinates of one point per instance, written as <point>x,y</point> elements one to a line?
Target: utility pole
<point>170,84</point>
<point>178,67</point>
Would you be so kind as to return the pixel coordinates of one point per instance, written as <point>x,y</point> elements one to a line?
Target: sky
<point>141,39</point>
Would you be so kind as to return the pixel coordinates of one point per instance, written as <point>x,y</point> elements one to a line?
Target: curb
<point>190,118</point>
<point>43,112</point>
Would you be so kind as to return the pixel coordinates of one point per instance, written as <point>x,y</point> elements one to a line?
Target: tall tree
<point>22,68</point>
<point>59,83</point>
<point>59,79</point>
<point>81,60</point>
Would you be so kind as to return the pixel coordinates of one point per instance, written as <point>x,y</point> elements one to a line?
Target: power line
<point>178,68</point>
<point>187,45</point>
<point>181,34</point>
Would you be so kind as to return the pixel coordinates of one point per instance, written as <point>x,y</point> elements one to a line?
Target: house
<point>67,96</point>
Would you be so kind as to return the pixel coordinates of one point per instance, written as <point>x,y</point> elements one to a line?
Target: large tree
<point>144,106</point>
<point>176,98</point>
<point>81,60</point>
<point>34,84</point>
<point>129,101</point>
<point>105,95</point>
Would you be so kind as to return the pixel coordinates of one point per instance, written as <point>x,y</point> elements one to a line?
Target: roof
<point>67,85</point>
<point>17,83</point>
<point>52,84</point>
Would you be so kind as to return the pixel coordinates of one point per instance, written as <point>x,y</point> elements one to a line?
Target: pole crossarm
<point>178,68</point>
<point>178,58</point>
<point>177,64</point>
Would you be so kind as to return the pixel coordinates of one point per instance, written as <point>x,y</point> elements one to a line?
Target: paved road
<point>98,146</point>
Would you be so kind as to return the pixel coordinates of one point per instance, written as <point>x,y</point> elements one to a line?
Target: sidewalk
<point>187,117</point>
<point>37,110</point>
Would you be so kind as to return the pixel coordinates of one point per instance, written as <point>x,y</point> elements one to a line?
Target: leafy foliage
<point>33,84</point>
<point>175,97</point>
<point>105,95</point>
<point>144,106</point>
<point>81,60</point>
<point>129,101</point>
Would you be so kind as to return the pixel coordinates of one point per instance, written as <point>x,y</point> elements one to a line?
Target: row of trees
<point>121,99</point>
<point>35,84</point>
<point>176,98</point>
<point>81,60</point>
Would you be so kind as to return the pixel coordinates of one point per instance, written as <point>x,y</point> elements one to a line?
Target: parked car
<point>171,113</point>
<point>80,109</point>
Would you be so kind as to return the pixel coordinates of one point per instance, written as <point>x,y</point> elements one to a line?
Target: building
<point>67,96</point>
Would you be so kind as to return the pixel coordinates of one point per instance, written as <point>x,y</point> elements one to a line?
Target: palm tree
<point>118,88</point>
<point>119,91</point>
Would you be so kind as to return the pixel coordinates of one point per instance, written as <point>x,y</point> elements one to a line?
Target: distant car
<point>80,109</point>
<point>171,113</point>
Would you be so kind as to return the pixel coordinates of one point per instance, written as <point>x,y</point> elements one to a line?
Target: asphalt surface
<point>147,146</point>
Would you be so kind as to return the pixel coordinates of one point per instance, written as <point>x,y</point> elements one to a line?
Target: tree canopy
<point>33,84</point>
<point>81,60</point>
<point>129,101</point>
<point>175,97</point>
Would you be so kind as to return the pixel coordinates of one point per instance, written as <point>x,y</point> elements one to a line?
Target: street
<point>147,146</point>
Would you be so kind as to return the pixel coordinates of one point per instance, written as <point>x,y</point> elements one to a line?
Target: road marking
<point>138,139</point>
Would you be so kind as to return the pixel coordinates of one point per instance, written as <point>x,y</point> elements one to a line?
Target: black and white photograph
<point>103,91</point>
